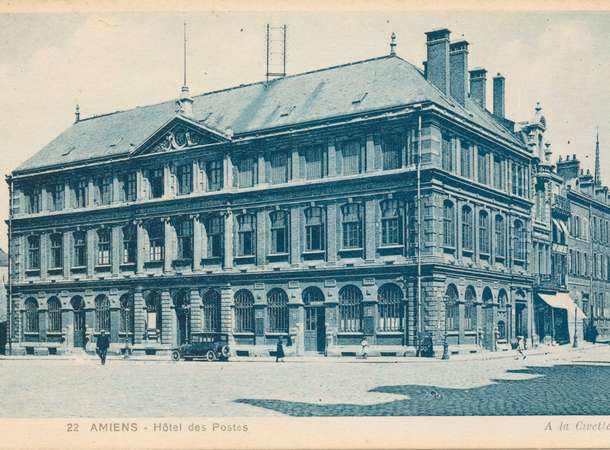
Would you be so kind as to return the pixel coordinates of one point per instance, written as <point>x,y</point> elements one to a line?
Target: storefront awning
<point>561,226</point>
<point>563,300</point>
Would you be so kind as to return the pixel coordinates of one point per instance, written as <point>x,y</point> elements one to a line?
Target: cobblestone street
<point>563,383</point>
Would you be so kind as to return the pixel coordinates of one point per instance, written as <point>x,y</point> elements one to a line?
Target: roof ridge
<point>254,83</point>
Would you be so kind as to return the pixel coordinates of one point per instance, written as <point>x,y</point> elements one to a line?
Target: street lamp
<point>445,343</point>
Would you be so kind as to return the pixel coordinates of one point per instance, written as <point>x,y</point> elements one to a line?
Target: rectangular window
<point>184,175</point>
<point>57,254</point>
<point>129,187</point>
<point>246,229</point>
<point>155,181</point>
<point>351,158</point>
<point>390,151</point>
<point>391,223</point>
<point>352,226</point>
<point>80,249</point>
<point>314,163</point>
<point>279,168</point>
<point>466,160</point>
<point>279,232</point>
<point>104,187</point>
<point>34,201</point>
<point>80,192</point>
<point>56,197</point>
<point>103,247</point>
<point>498,172</point>
<point>483,166</point>
<point>34,253</point>
<point>184,235</point>
<point>213,171</point>
<point>245,169</point>
<point>215,232</point>
<point>129,244</point>
<point>156,238</point>
<point>447,154</point>
<point>314,229</point>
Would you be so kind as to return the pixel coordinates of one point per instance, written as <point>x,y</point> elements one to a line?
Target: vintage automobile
<point>212,347</point>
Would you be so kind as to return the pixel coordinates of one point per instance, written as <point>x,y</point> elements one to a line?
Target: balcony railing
<point>551,282</point>
<point>561,205</point>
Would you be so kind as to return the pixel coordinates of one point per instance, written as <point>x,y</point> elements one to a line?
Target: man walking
<point>102,344</point>
<point>279,350</point>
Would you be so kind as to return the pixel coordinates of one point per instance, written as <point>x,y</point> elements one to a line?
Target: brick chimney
<point>499,92</point>
<point>437,63</point>
<point>478,86</point>
<point>458,69</point>
<point>568,168</point>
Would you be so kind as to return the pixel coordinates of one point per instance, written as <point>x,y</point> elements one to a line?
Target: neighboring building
<point>3,311</point>
<point>290,208</point>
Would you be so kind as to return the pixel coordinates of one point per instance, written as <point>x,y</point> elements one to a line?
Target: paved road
<point>572,383</point>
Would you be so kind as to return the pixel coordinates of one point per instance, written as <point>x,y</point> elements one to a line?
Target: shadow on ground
<point>574,389</point>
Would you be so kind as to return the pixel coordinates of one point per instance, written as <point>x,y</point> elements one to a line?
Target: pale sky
<point>116,61</point>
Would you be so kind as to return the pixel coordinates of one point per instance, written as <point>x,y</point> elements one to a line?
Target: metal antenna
<point>276,68</point>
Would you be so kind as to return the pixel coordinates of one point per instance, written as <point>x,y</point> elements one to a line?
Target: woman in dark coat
<point>279,350</point>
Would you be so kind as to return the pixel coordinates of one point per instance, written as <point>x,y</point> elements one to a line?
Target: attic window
<point>286,111</point>
<point>359,98</point>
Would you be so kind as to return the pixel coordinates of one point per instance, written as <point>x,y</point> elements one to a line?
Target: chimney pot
<point>478,86</point>
<point>437,61</point>
<point>499,94</point>
<point>458,69</point>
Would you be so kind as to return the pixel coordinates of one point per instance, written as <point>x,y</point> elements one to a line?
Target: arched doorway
<point>315,320</point>
<point>488,320</point>
<point>78,308</point>
<point>182,309</point>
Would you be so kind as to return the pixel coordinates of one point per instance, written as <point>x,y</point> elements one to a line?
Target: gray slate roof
<point>388,81</point>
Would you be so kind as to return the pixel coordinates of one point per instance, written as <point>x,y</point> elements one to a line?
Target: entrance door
<point>182,322</point>
<point>315,329</point>
<point>79,321</point>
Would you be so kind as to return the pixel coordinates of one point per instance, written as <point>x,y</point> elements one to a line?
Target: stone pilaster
<point>139,318</point>
<point>168,230</point>
<point>331,233</point>
<point>141,249</point>
<point>115,315</point>
<point>197,242</point>
<point>67,253</point>
<point>44,255</point>
<point>370,224</point>
<point>227,177</point>
<point>370,153</point>
<point>228,239</point>
<point>261,237</point>
<point>116,249</point>
<point>196,311</point>
<point>295,235</point>
<point>167,319</point>
<point>260,304</point>
<point>369,309</point>
<point>91,251</point>
<point>226,310</point>
<point>332,159</point>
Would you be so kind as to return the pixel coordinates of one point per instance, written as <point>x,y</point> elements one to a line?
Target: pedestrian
<point>593,334</point>
<point>365,347</point>
<point>102,345</point>
<point>521,347</point>
<point>279,350</point>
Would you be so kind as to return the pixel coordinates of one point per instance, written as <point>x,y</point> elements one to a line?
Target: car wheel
<point>210,356</point>
<point>226,352</point>
<point>176,355</point>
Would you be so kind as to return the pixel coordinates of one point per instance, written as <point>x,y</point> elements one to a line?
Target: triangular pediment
<point>180,133</point>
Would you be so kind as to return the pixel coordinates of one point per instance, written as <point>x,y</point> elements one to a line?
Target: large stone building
<point>371,199</point>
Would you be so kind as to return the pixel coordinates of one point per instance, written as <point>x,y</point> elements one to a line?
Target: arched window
<point>312,295</point>
<point>246,239</point>
<point>483,232</point>
<point>350,309</point>
<point>127,315</point>
<point>153,311</point>
<point>102,313</point>
<point>211,311</point>
<point>470,309</point>
<point>520,241</point>
<point>391,222</point>
<point>452,308</point>
<point>31,316</point>
<point>352,226</point>
<point>54,311</point>
<point>277,311</point>
<point>500,231</point>
<point>279,232</point>
<point>244,311</point>
<point>314,229</point>
<point>448,224</point>
<point>467,230</point>
<point>391,309</point>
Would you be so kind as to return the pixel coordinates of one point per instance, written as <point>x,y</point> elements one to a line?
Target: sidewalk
<point>562,350</point>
